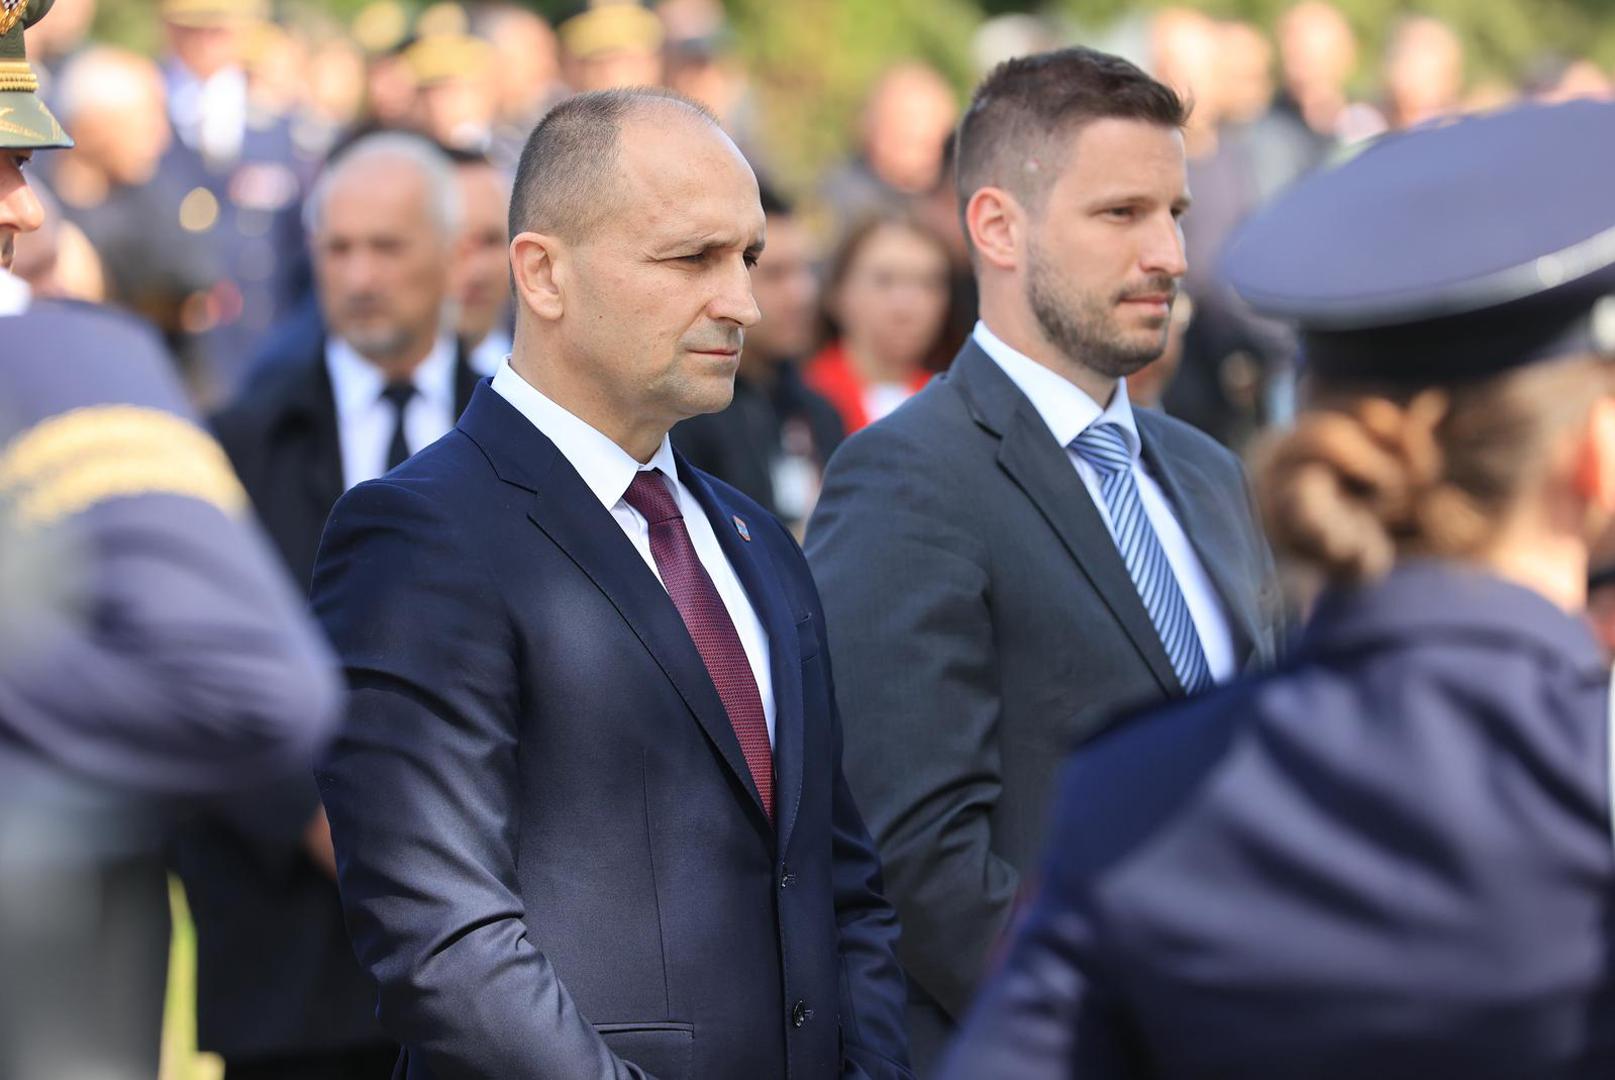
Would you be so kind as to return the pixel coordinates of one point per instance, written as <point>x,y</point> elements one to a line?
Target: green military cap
<point>25,123</point>
<point>214,12</point>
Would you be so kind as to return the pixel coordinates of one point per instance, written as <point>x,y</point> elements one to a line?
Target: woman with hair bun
<point>1392,856</point>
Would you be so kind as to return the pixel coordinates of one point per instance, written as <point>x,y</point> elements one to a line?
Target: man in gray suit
<point>1017,553</point>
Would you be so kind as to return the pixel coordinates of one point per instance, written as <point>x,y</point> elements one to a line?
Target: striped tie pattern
<point>1104,446</point>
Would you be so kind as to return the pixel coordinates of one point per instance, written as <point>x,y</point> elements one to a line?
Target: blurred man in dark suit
<point>775,438</point>
<point>588,810</point>
<point>1017,552</point>
<point>279,991</point>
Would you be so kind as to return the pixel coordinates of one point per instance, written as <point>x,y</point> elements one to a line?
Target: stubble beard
<point>1083,327</point>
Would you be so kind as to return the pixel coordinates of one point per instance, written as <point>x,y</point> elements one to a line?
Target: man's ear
<point>1595,462</point>
<point>995,221</point>
<point>538,267</point>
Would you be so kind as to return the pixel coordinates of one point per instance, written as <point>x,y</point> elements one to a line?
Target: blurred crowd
<point>185,197</point>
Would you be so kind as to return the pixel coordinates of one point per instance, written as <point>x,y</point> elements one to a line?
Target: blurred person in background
<point>777,435</point>
<point>1017,553</point>
<point>457,82</point>
<point>528,70</point>
<point>885,307</point>
<point>334,96</point>
<point>279,991</point>
<point>1184,50</point>
<point>382,29</point>
<point>243,177</point>
<point>611,43</point>
<point>1147,386</point>
<point>150,651</point>
<point>1556,79</point>
<point>701,64</point>
<point>111,187</point>
<point>1231,359</point>
<point>1391,856</point>
<point>1317,59</point>
<point>1601,606</point>
<point>1276,151</point>
<point>482,267</point>
<point>1423,72</point>
<point>909,114</point>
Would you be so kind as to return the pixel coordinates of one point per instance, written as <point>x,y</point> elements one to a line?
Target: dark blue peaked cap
<point>1446,252</point>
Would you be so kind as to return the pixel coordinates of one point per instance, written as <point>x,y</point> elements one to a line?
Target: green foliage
<point>813,60</point>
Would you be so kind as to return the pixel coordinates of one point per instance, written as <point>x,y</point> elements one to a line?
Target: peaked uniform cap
<point>25,122</point>
<point>1446,252</point>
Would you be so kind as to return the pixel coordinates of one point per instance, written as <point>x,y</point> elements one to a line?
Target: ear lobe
<point>534,266</point>
<point>994,221</point>
<point>1595,467</point>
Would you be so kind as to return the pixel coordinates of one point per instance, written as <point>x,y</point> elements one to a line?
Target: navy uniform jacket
<point>150,647</point>
<point>552,856</point>
<point>1390,859</point>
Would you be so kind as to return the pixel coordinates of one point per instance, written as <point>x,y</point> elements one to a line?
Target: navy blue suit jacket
<point>552,857</point>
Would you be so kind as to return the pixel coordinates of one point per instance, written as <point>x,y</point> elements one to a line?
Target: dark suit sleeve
<point>872,996</point>
<point>1051,1012</point>
<point>421,789</point>
<point>905,594</point>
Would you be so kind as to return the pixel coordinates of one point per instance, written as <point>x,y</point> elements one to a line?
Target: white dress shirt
<point>365,420</point>
<point>14,294</point>
<point>210,115</point>
<point>1069,411</point>
<point>490,353</point>
<point>607,469</point>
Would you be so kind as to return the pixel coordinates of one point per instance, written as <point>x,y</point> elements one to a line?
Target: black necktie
<point>398,394</point>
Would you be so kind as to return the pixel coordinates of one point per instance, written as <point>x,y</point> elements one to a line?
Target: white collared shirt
<point>210,115</point>
<point>607,469</point>
<point>1069,411</point>
<point>14,294</point>
<point>490,352</point>
<point>365,420</point>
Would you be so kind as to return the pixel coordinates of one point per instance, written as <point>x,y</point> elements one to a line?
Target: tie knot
<point>1104,446</point>
<point>398,394</point>
<point>649,495</point>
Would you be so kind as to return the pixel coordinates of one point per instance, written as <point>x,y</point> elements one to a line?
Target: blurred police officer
<point>238,164</point>
<point>1391,857</point>
<point>149,649</point>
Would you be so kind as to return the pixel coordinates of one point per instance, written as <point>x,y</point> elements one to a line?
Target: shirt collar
<point>356,383</point>
<point>606,468</point>
<point>14,294</point>
<point>1064,406</point>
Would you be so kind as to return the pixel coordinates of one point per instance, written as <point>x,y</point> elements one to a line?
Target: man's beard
<point>1083,327</point>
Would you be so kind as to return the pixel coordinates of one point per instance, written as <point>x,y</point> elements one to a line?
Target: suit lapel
<point>1041,469</point>
<point>316,408</point>
<point>569,514</point>
<point>1208,521</point>
<point>760,577</point>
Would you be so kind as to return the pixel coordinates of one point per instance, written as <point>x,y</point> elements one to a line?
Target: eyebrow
<point>704,244</point>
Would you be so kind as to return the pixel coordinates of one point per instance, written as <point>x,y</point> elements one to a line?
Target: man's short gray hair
<point>434,166</point>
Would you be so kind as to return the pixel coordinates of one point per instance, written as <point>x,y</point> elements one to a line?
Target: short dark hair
<point>1025,104</point>
<point>567,170</point>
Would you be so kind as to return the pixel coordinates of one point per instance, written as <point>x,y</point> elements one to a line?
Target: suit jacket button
<point>800,1014</point>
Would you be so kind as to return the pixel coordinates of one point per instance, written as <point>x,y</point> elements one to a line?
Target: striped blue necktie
<point>1104,446</point>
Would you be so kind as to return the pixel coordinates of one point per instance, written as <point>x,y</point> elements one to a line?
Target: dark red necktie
<point>709,625</point>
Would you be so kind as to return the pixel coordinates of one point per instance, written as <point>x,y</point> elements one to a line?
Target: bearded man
<point>1017,554</point>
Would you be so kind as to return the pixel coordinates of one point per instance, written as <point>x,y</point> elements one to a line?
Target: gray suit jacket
<point>982,624</point>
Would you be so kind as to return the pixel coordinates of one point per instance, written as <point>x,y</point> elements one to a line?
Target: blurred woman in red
<point>886,303</point>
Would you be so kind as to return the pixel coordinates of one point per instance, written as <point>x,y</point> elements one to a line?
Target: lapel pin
<point>740,527</point>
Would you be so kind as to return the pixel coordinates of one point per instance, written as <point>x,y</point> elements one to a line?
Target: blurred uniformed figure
<point>243,179</point>
<point>149,649</point>
<point>1392,857</point>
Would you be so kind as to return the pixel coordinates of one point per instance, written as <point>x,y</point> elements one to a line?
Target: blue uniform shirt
<point>1390,858</point>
